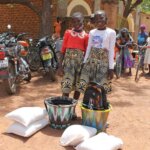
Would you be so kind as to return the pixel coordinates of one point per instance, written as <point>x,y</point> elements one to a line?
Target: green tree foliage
<point>129,6</point>
<point>145,6</point>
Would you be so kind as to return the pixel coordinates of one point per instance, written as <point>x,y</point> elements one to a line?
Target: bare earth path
<point>129,118</point>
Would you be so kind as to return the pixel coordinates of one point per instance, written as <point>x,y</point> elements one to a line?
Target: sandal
<point>129,74</point>
<point>147,74</point>
<point>74,116</point>
<point>107,125</point>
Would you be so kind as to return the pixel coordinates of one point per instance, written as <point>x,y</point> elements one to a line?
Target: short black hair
<point>101,12</point>
<point>124,30</point>
<point>78,15</point>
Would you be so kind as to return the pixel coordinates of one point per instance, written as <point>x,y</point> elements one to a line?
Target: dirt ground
<point>128,120</point>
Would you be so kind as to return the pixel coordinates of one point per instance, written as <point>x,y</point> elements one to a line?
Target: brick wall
<point>145,19</point>
<point>111,11</point>
<point>21,18</point>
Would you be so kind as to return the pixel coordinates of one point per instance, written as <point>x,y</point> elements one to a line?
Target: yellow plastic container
<point>95,118</point>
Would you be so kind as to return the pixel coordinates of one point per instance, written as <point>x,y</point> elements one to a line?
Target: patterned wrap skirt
<point>147,56</point>
<point>142,56</point>
<point>95,69</point>
<point>73,60</point>
<point>128,59</point>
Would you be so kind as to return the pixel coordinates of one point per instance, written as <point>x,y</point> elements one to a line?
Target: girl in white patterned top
<point>99,58</point>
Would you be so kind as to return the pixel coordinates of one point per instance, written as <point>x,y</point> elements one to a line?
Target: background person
<point>124,37</point>
<point>91,24</point>
<point>142,37</point>
<point>57,27</point>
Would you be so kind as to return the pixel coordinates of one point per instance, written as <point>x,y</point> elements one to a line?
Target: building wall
<point>74,5</point>
<point>111,11</point>
<point>145,19</point>
<point>23,19</point>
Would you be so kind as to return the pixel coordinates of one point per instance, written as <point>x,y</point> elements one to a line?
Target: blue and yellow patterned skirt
<point>72,69</point>
<point>95,69</point>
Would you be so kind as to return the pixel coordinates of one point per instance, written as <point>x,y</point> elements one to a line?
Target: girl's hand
<point>60,71</point>
<point>110,74</point>
<point>144,47</point>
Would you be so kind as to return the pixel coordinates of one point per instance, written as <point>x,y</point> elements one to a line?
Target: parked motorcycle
<point>24,72</point>
<point>13,68</point>
<point>43,57</point>
<point>7,71</point>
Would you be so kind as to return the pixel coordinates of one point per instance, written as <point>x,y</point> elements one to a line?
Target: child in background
<point>57,27</point>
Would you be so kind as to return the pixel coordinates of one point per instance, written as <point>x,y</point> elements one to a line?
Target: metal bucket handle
<point>60,105</point>
<point>101,87</point>
<point>103,93</point>
<point>45,105</point>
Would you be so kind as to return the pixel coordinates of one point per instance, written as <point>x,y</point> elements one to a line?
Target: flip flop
<point>147,75</point>
<point>74,117</point>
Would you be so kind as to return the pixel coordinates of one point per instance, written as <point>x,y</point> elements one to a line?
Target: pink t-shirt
<point>74,40</point>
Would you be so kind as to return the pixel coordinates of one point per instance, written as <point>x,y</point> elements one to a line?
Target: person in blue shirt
<point>142,40</point>
<point>142,36</point>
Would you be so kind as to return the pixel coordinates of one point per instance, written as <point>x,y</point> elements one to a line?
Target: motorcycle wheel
<point>118,66</point>
<point>10,83</point>
<point>34,61</point>
<point>52,74</point>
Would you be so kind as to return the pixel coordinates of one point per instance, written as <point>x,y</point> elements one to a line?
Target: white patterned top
<point>102,39</point>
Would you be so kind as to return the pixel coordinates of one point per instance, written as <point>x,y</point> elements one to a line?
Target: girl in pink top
<point>72,55</point>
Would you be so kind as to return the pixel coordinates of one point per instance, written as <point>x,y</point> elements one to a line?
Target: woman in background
<point>123,38</point>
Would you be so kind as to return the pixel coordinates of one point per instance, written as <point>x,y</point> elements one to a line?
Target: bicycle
<point>119,59</point>
<point>140,64</point>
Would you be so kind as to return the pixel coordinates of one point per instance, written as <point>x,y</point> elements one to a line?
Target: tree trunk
<point>128,8</point>
<point>45,15</point>
<point>46,25</point>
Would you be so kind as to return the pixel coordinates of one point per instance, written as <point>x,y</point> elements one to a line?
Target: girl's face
<point>142,29</point>
<point>100,21</point>
<point>77,23</point>
<point>124,34</point>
